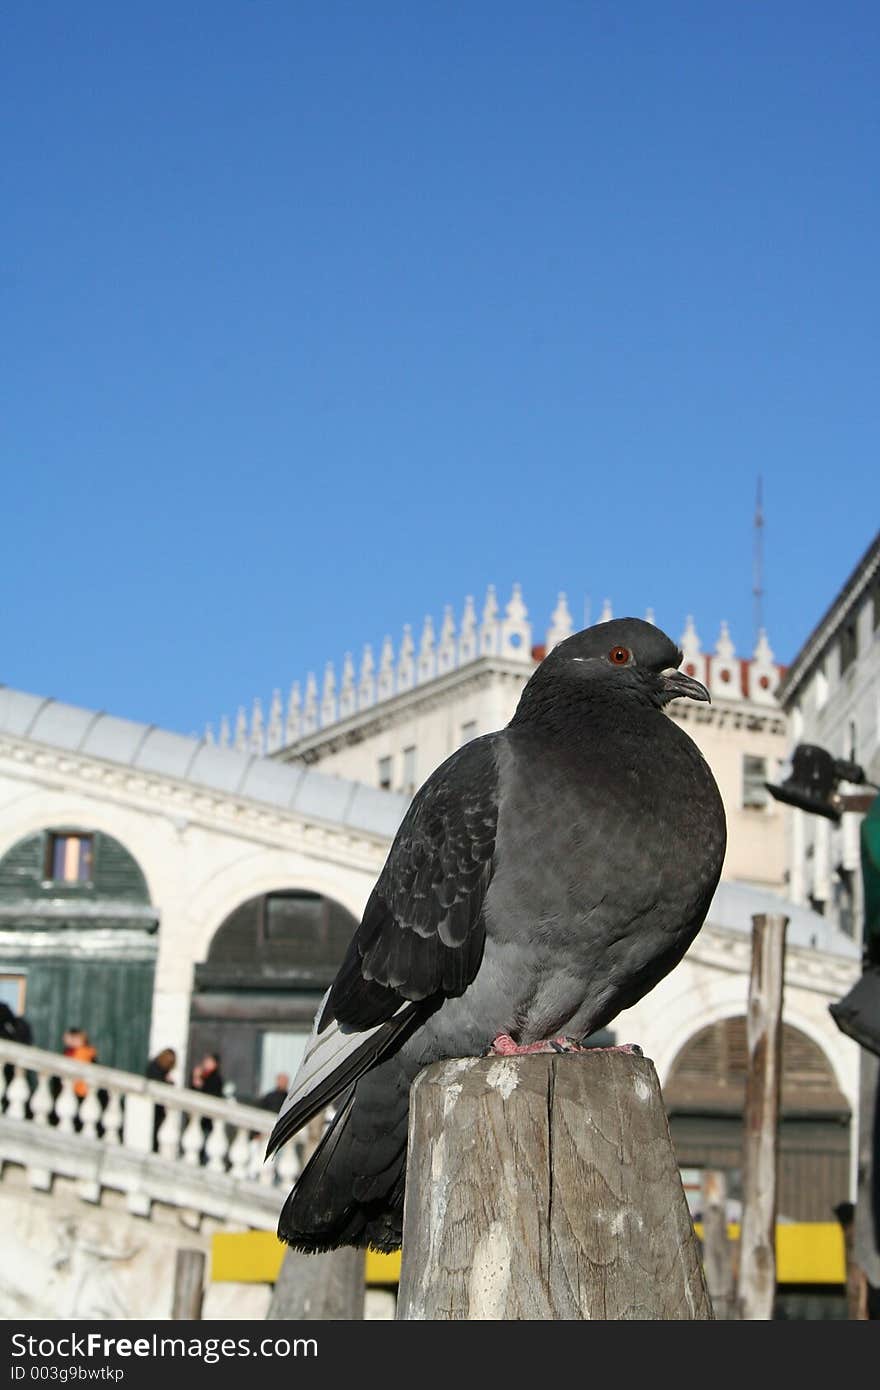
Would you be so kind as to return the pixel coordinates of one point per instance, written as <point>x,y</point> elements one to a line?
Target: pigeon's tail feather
<point>351,1190</point>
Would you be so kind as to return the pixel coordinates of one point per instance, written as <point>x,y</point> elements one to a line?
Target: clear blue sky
<point>316,316</point>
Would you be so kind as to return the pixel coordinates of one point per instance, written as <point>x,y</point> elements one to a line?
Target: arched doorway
<point>254,998</point>
<point>705,1097</point>
<point>78,941</point>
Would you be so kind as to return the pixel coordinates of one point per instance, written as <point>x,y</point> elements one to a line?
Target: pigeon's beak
<point>677,685</point>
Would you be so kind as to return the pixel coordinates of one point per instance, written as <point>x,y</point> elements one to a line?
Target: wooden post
<point>189,1283</point>
<point>318,1288</point>
<point>756,1289</point>
<point>717,1249</point>
<point>545,1187</point>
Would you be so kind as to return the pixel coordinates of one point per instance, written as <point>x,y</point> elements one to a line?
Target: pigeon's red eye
<point>619,656</point>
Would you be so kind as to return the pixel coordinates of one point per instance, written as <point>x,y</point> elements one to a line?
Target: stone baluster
<point>112,1120</point>
<point>265,1170</point>
<point>17,1095</point>
<point>240,1153</point>
<point>606,615</point>
<point>66,1106</point>
<point>90,1113</point>
<point>168,1133</point>
<point>42,1100</point>
<point>217,1147</point>
<point>287,1165</point>
<point>192,1140</point>
<point>209,733</point>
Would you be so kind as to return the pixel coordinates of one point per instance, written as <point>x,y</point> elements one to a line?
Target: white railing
<point>155,1141</point>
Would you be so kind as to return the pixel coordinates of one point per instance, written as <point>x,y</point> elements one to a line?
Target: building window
<point>755,794</point>
<point>12,992</point>
<point>821,686</point>
<point>849,646</point>
<point>69,858</point>
<point>385,771</point>
<point>469,731</point>
<point>409,770</point>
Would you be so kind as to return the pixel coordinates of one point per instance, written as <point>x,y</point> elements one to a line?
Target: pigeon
<point>544,878</point>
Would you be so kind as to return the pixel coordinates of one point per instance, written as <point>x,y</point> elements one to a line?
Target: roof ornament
<point>489,628</point>
<point>467,638</point>
<point>367,680</point>
<point>516,631</point>
<point>328,696</point>
<point>274,733</point>
<point>386,670</point>
<point>561,624</point>
<point>347,693</point>
<point>446,647</point>
<point>405,663</point>
<point>292,727</point>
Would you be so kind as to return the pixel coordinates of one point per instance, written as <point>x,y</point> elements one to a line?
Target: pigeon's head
<point>626,657</point>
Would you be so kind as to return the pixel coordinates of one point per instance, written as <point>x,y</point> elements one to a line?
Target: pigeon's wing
<point>422,932</point>
<point>421,938</point>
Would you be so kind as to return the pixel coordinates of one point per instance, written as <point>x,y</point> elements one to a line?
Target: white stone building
<point>831,694</point>
<point>246,861</point>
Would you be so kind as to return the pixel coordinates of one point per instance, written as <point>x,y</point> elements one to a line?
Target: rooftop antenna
<point>758,563</point>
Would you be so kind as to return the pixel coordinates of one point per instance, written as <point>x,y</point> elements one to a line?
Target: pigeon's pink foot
<point>504,1046</point>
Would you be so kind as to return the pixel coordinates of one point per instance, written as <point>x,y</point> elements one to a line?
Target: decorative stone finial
<point>405,664</point>
<point>367,680</point>
<point>347,698</point>
<point>293,726</point>
<point>274,734</point>
<point>467,640</point>
<point>256,741</point>
<point>446,646</point>
<point>386,670</point>
<point>426,652</point>
<point>561,624</point>
<point>489,626</point>
<point>516,631</point>
<point>328,696</point>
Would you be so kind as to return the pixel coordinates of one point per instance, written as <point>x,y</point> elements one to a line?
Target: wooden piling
<point>756,1288</point>
<point>545,1187</point>
<point>189,1284</point>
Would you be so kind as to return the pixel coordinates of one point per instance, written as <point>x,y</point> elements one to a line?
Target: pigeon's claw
<point>504,1046</point>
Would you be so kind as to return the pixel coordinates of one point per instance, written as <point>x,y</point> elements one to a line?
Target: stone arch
<point>704,1094</point>
<point>38,811</point>
<point>263,971</point>
<point>78,938</point>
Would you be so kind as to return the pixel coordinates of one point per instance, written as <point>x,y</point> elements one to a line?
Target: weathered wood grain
<point>756,1287</point>
<point>545,1187</point>
<point>189,1284</point>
